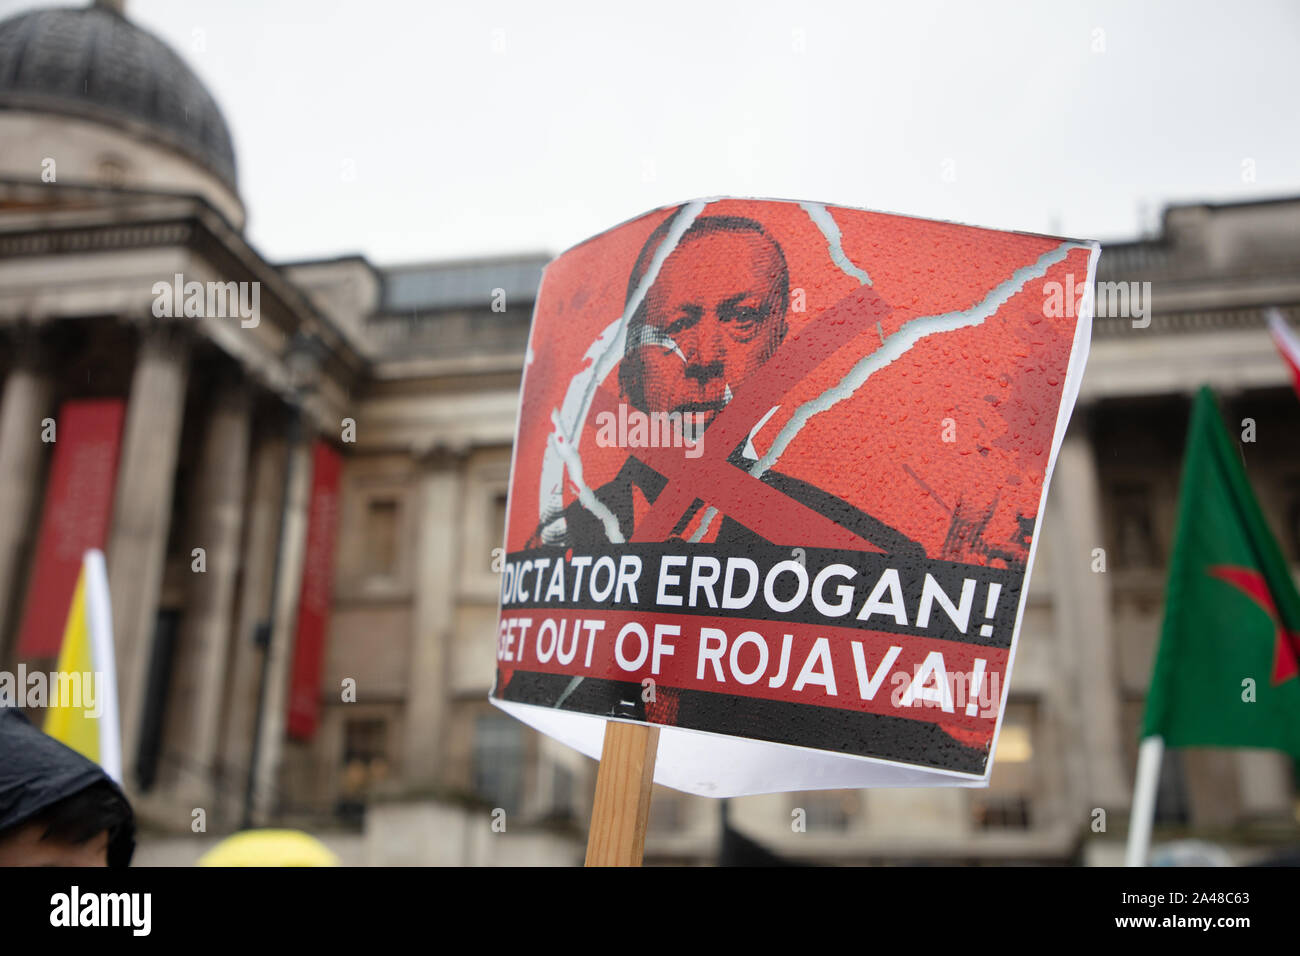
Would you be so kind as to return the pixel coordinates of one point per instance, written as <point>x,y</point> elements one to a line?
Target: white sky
<point>518,126</point>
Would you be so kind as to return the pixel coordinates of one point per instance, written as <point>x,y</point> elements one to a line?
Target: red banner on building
<point>315,592</point>
<point>78,508</point>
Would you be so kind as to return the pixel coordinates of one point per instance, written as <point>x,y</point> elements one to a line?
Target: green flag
<point>1226,671</point>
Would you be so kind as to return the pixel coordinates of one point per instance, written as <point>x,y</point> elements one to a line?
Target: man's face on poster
<point>715,314</point>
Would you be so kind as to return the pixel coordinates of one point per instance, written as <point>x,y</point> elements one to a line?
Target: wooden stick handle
<point>618,818</point>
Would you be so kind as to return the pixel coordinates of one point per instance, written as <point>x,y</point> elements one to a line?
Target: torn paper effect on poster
<point>804,549</point>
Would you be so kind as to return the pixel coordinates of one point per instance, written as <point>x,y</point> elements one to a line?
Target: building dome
<point>94,64</point>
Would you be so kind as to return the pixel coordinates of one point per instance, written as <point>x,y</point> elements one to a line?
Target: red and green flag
<point>1226,671</point>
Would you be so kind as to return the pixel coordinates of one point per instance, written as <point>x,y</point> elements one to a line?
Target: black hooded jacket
<point>37,771</point>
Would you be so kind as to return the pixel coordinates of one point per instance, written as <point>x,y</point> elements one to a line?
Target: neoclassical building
<point>340,458</point>
<point>300,479</point>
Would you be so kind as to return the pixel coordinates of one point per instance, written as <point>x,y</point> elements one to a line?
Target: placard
<point>777,485</point>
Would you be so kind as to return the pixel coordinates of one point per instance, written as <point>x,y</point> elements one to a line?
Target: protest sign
<point>777,486</point>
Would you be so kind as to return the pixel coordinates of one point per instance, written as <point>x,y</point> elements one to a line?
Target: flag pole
<point>1144,800</point>
<point>99,619</point>
<point>622,807</point>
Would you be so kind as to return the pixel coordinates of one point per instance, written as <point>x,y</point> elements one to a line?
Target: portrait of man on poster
<point>712,319</point>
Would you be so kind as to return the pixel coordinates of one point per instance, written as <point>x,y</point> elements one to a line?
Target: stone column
<point>437,569</point>
<point>214,524</point>
<point>1062,704</point>
<point>26,400</point>
<point>283,621</point>
<point>262,521</point>
<point>1083,615</point>
<point>142,514</point>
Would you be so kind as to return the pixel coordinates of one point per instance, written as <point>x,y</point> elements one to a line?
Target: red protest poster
<point>76,516</point>
<point>314,593</point>
<point>777,483</point>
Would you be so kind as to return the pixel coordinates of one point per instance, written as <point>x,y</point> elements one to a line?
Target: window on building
<point>1132,505</point>
<point>667,810</point>
<point>158,684</point>
<point>365,754</point>
<point>498,521</point>
<point>1172,804</point>
<point>1002,812</point>
<point>1173,795</point>
<point>110,170</point>
<point>381,536</point>
<point>498,761</point>
<point>1295,788</point>
<point>1292,531</point>
<point>1007,804</point>
<point>830,810</point>
<point>562,796</point>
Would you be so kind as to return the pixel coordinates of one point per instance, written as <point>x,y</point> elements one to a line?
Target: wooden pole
<point>618,818</point>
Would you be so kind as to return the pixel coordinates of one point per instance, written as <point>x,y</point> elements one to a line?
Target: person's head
<point>57,808</point>
<point>88,828</point>
<point>714,314</point>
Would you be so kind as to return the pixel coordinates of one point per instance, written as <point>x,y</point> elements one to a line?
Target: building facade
<point>308,490</point>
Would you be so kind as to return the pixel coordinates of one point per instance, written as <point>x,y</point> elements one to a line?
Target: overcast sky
<point>410,131</point>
